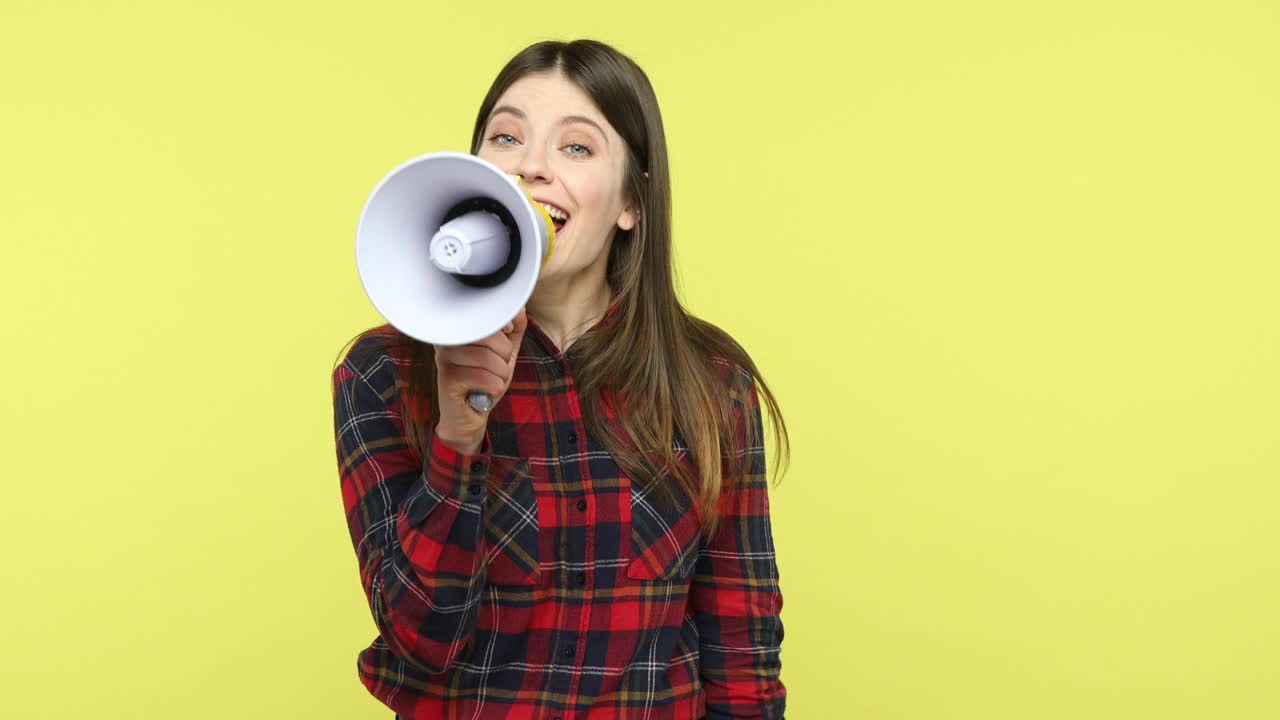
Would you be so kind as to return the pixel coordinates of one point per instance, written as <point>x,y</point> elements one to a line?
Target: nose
<point>532,166</point>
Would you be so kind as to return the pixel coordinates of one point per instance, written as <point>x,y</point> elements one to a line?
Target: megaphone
<point>449,248</point>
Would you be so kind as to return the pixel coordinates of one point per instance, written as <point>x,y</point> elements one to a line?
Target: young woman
<point>598,544</point>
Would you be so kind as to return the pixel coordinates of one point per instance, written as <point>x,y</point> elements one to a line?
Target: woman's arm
<point>736,599</point>
<point>416,524</point>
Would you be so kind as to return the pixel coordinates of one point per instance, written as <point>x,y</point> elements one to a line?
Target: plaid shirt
<point>532,579</point>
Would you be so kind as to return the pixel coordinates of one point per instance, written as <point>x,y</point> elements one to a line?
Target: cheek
<point>492,157</point>
<point>593,204</point>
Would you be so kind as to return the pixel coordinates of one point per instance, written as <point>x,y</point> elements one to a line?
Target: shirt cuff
<point>459,475</point>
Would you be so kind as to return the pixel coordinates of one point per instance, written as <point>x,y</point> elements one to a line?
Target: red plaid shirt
<point>532,579</point>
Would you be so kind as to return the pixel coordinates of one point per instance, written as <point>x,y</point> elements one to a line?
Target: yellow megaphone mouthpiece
<point>546,218</point>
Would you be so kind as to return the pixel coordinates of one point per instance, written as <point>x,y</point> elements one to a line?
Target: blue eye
<point>586,151</point>
<point>502,135</point>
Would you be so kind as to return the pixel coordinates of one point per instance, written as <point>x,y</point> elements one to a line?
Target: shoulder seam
<point>380,359</point>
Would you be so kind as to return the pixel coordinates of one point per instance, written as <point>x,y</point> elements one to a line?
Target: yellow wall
<point>1013,272</point>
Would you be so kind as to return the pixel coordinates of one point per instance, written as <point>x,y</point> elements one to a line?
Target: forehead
<point>545,97</point>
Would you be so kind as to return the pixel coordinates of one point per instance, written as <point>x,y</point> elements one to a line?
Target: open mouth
<point>559,217</point>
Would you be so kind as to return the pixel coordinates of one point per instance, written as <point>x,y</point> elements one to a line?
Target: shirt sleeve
<point>416,524</point>
<point>736,599</point>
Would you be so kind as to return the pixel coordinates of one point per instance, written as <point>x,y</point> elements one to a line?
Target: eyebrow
<point>567,119</point>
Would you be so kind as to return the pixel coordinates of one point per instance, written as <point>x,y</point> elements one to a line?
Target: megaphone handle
<point>480,402</point>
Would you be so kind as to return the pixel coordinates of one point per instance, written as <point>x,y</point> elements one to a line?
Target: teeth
<point>554,212</point>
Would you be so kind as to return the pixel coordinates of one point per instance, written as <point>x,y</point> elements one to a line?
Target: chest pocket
<point>511,525</point>
<point>665,534</point>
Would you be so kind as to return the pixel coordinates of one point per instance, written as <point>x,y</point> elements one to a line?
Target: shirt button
<point>582,578</point>
<point>477,466</point>
<point>573,437</point>
<point>475,489</point>
<point>582,504</point>
<point>568,652</point>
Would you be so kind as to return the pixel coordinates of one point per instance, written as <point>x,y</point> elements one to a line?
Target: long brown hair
<point>667,370</point>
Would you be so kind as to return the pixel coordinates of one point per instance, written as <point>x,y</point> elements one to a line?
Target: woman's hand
<point>485,365</point>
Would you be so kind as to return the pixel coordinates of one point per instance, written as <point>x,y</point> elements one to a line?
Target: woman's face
<point>547,130</point>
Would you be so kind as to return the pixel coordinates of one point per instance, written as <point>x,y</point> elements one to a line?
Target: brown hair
<point>670,370</point>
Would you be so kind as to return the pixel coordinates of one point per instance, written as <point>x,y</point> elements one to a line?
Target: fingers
<point>515,329</point>
<point>487,364</point>
<point>472,378</point>
<point>498,343</point>
<point>473,358</point>
<point>519,324</point>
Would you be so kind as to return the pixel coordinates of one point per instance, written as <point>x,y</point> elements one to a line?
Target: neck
<point>564,310</point>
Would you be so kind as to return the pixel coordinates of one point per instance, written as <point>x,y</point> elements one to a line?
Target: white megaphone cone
<point>449,248</point>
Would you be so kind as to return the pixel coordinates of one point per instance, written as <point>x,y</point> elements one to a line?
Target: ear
<point>628,219</point>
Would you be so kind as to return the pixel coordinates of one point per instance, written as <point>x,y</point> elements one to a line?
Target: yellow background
<point>1011,268</point>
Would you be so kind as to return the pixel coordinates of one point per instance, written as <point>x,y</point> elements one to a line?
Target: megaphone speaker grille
<point>499,276</point>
